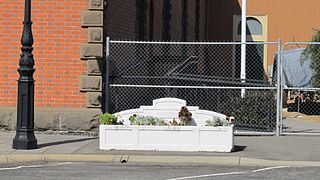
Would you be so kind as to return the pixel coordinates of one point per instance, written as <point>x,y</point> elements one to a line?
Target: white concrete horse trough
<point>167,138</point>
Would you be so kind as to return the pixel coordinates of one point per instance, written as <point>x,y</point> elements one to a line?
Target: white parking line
<point>34,166</point>
<point>230,173</point>
<point>208,175</point>
<point>269,168</point>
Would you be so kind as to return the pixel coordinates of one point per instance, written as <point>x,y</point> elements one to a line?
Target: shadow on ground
<point>64,142</point>
<point>308,108</point>
<point>238,148</point>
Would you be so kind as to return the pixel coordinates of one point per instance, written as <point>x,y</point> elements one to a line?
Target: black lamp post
<point>25,138</point>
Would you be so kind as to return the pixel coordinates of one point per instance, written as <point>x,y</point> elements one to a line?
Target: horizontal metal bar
<point>191,87</point>
<point>302,89</point>
<point>294,43</point>
<point>190,43</point>
<point>253,133</point>
<point>200,78</point>
<point>299,43</point>
<point>301,134</point>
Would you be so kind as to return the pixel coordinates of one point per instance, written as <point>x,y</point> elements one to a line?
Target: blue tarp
<point>296,71</point>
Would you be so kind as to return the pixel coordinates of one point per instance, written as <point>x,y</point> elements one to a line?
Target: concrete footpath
<point>249,151</point>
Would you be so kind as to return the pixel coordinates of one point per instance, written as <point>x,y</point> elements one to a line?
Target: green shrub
<point>146,120</point>
<point>312,52</point>
<point>255,111</point>
<point>215,121</point>
<point>108,119</point>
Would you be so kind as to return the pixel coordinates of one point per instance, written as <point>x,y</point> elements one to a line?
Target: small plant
<point>215,121</point>
<point>132,118</point>
<point>108,119</point>
<point>146,120</point>
<point>185,116</point>
<point>174,122</point>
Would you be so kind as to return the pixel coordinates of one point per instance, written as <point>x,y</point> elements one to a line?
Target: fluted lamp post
<point>25,138</point>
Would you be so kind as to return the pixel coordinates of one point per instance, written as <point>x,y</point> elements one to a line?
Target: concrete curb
<point>205,160</point>
<point>3,159</point>
<point>262,162</point>
<point>213,160</point>
<point>24,158</point>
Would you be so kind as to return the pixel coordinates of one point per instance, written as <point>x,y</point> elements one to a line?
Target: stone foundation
<point>55,119</point>
<point>92,52</point>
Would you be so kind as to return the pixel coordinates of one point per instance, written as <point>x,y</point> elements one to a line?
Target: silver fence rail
<point>205,74</point>
<point>300,95</point>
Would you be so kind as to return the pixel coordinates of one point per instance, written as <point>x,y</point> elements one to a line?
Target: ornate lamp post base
<point>24,140</point>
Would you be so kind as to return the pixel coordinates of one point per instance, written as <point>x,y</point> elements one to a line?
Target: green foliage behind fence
<point>312,51</point>
<point>257,110</point>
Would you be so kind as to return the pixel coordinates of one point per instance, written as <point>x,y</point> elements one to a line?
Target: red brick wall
<point>157,20</point>
<point>175,23</point>
<point>57,34</point>
<point>191,20</point>
<point>120,19</point>
<point>203,20</point>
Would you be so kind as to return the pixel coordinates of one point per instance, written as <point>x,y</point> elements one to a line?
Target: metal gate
<point>300,95</point>
<point>205,74</point>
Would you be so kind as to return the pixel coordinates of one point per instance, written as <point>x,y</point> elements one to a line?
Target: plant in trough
<point>132,119</point>
<point>215,121</point>
<point>185,116</point>
<point>108,119</point>
<point>146,120</point>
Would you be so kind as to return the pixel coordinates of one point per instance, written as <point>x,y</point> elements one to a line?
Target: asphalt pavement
<point>87,170</point>
<point>249,151</point>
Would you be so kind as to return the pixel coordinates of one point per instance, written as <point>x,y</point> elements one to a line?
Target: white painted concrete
<point>167,109</point>
<point>167,138</point>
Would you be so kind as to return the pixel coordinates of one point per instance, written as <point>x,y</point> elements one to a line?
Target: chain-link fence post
<point>299,101</point>
<point>107,73</point>
<point>279,91</point>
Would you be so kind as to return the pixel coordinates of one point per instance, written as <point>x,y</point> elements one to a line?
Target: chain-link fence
<point>301,91</point>
<point>204,74</point>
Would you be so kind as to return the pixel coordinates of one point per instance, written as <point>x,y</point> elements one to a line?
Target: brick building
<point>69,51</point>
<point>70,42</point>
